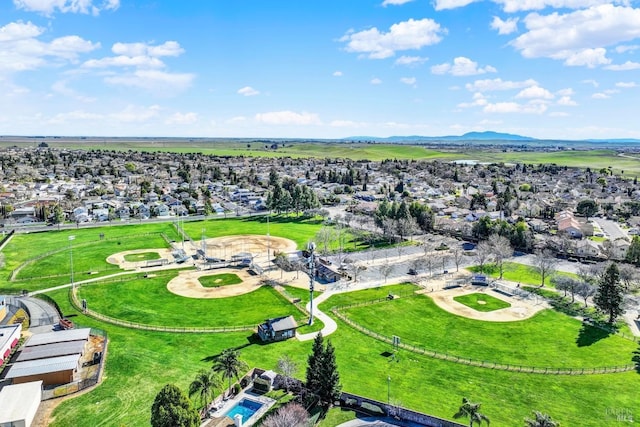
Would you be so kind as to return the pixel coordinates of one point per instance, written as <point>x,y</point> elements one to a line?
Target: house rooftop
<point>43,366</point>
<point>58,336</point>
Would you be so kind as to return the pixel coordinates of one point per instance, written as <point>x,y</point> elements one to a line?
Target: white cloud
<point>512,6</point>
<point>248,91</point>
<point>407,35</point>
<point>124,61</point>
<point>565,92</point>
<point>375,81</point>
<point>135,114</point>
<point>62,88</point>
<point>566,101</point>
<point>578,37</point>
<point>478,101</point>
<point>386,3</point>
<point>237,120</point>
<point>451,4</point>
<point>168,48</point>
<point>288,118</point>
<point>514,107</point>
<point>559,114</point>
<point>337,74</point>
<point>74,117</point>
<point>154,80</point>
<point>505,27</point>
<point>21,50</point>
<point>585,57</point>
<point>182,119</point>
<point>627,48</point>
<point>498,84</point>
<point>626,85</point>
<point>591,82</point>
<point>627,66</point>
<point>535,92</point>
<point>411,60</point>
<point>48,7</point>
<point>462,67</point>
<point>408,80</point>
<point>600,95</point>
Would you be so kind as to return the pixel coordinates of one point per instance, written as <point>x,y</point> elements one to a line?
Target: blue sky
<point>557,69</point>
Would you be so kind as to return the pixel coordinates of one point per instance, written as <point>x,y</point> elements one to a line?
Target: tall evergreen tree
<point>323,378</point>
<point>171,408</point>
<point>609,297</point>
<point>314,363</point>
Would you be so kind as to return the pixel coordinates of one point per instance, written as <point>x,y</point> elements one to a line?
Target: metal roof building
<point>52,371</point>
<point>58,336</point>
<point>20,403</point>
<point>51,350</point>
<point>9,338</point>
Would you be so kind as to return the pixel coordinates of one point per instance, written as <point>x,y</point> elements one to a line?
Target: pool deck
<point>219,419</point>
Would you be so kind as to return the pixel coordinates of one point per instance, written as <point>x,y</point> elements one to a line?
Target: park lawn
<point>548,339</point>
<point>89,252</point>
<point>219,280</point>
<point>521,273</point>
<point>148,301</point>
<point>302,294</point>
<point>144,256</point>
<point>139,363</point>
<point>89,258</point>
<point>482,302</point>
<point>300,230</point>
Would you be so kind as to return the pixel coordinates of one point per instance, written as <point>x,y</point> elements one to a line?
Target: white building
<point>19,404</point>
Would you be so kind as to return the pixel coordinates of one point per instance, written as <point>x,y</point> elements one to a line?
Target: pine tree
<point>330,386</point>
<point>609,297</point>
<point>314,363</point>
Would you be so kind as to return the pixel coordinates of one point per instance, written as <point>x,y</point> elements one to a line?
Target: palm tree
<point>229,365</point>
<point>540,420</point>
<point>472,411</point>
<point>204,386</point>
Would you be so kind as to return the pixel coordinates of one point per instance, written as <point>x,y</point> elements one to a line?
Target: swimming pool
<point>245,407</point>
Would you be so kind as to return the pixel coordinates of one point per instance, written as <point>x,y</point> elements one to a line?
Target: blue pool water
<point>245,407</point>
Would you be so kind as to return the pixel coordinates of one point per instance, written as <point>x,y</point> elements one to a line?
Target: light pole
<point>71,258</point>
<point>311,247</point>
<point>269,244</point>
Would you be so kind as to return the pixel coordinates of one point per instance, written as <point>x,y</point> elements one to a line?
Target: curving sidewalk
<point>330,325</point>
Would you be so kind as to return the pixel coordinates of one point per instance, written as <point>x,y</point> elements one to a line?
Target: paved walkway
<point>330,325</point>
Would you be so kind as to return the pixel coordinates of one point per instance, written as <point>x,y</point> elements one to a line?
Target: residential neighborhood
<point>45,186</point>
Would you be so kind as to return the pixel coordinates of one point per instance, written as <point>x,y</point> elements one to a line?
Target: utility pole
<point>311,247</point>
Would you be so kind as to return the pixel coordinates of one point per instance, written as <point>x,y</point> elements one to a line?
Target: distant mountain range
<point>476,136</point>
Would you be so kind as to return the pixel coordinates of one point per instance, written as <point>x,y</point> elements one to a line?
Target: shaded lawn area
<point>216,280</point>
<point>145,256</point>
<point>140,363</point>
<point>482,302</point>
<point>548,339</point>
<point>148,301</point>
<point>514,272</point>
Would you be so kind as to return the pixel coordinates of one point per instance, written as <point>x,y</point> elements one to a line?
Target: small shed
<point>51,371</point>
<point>19,403</point>
<point>277,329</point>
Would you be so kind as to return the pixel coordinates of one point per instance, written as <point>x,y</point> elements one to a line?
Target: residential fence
<point>474,362</point>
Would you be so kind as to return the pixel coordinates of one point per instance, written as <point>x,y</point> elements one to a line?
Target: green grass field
<point>548,339</point>
<point>145,256</point>
<point>139,363</point>
<point>482,302</point>
<point>219,280</point>
<point>148,301</point>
